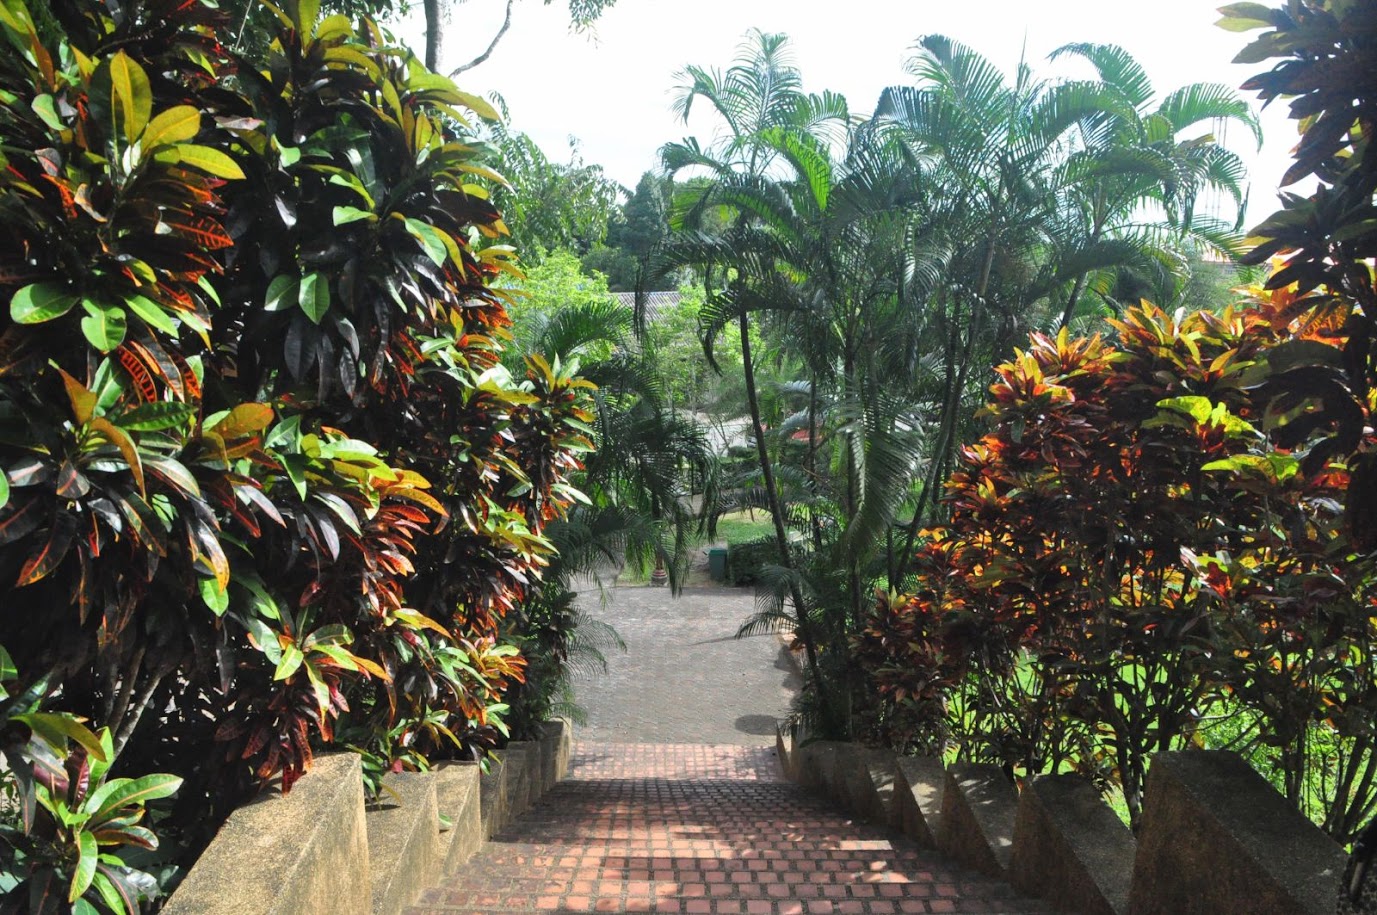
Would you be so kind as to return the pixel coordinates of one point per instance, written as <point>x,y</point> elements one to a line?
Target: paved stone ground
<point>675,802</point>
<point>684,677</point>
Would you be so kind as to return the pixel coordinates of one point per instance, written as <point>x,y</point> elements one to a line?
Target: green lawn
<point>744,526</point>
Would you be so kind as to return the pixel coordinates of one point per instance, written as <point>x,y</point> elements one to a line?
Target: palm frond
<point>1115,67</point>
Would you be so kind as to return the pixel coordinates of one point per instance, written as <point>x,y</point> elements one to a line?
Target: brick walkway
<point>694,828</point>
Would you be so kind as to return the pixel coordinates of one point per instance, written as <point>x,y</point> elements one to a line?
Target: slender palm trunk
<point>814,478</point>
<point>1079,286</point>
<point>951,406</point>
<point>1076,289</point>
<point>805,629</point>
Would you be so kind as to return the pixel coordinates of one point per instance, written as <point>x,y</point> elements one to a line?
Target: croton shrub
<point>1133,565</point>
<point>266,485</point>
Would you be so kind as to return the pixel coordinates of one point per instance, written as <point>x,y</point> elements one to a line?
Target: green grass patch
<point>744,526</point>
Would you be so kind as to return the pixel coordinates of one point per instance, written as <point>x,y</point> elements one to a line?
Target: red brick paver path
<point>692,828</point>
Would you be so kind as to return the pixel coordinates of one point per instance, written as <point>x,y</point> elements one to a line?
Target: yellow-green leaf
<point>336,26</point>
<point>245,419</point>
<point>485,172</point>
<point>133,95</point>
<point>356,58</point>
<point>282,292</point>
<point>345,215</point>
<point>44,107</point>
<point>41,302</point>
<point>152,314</point>
<point>208,160</point>
<point>478,105</point>
<point>314,296</point>
<point>430,239</point>
<point>104,325</point>
<point>415,619</point>
<point>307,12</point>
<point>175,125</point>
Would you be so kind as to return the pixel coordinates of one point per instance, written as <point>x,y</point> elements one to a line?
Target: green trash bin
<point>717,563</point>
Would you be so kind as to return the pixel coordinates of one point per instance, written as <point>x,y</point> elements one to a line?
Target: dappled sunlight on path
<point>702,829</point>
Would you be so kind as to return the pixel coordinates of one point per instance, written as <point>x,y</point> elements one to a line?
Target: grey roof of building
<point>656,303</point>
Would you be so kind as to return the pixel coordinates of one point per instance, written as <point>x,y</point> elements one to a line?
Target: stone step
<point>751,846</point>
<point>403,840</point>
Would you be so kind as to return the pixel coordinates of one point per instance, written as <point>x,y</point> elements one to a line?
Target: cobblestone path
<point>675,801</point>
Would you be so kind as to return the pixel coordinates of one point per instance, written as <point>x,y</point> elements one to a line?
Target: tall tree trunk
<point>1075,296</point>
<point>1079,286</point>
<point>433,26</point>
<point>814,478</point>
<point>805,629</point>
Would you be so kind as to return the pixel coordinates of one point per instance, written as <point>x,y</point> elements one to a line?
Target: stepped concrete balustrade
<point>1070,848</point>
<point>523,779</point>
<point>920,783</point>
<point>320,851</point>
<point>880,771</point>
<point>492,789</point>
<point>301,853</point>
<point>1215,838</point>
<point>403,839</point>
<point>555,747</point>
<point>457,791</point>
<point>978,810</point>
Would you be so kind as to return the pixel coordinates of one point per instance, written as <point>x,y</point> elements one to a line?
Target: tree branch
<point>135,712</point>
<point>506,24</point>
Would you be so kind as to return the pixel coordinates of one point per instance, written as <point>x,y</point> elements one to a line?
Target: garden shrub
<point>744,560</point>
<point>264,473</point>
<point>1127,556</point>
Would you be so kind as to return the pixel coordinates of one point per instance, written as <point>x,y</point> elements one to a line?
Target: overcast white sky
<point>612,89</point>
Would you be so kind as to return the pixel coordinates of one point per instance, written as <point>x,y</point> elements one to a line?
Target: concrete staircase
<point>702,829</point>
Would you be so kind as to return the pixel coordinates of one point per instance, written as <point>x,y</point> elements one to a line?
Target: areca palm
<point>1142,166</point>
<point>984,217</point>
<point>890,260</point>
<point>759,94</point>
<point>1034,191</point>
<point>816,254</point>
<point>634,485</point>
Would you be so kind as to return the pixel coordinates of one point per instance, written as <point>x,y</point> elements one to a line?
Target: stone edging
<point>318,850</point>
<point>1215,838</point>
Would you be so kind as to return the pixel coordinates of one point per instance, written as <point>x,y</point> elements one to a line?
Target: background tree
<point>635,502</point>
<point>759,95</point>
<point>252,22</point>
<point>1138,176</point>
<point>550,206</point>
<point>634,234</point>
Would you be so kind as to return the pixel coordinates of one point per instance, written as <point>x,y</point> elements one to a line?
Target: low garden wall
<point>320,849</point>
<point>1215,838</point>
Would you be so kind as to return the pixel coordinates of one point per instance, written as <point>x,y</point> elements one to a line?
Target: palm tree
<point>986,219</point>
<point>761,93</point>
<point>887,261</point>
<point>1141,168</point>
<point>633,500</point>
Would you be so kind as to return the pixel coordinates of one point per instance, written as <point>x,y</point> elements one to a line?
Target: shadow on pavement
<point>756,724</point>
